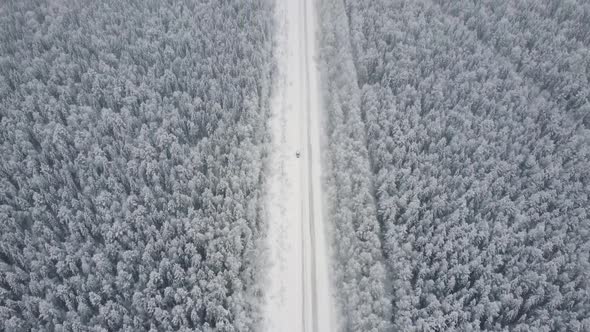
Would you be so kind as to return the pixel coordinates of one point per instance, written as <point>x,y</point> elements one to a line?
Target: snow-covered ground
<point>299,295</point>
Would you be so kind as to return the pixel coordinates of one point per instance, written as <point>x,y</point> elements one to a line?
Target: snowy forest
<point>358,268</point>
<point>472,121</point>
<point>132,140</point>
<point>134,148</point>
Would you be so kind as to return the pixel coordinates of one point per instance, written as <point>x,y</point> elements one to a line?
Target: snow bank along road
<point>299,296</point>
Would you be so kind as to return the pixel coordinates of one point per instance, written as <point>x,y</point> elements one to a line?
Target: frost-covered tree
<point>477,128</point>
<point>132,137</point>
<point>360,275</point>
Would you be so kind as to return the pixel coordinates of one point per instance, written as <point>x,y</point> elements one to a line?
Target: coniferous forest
<point>476,120</point>
<point>132,135</point>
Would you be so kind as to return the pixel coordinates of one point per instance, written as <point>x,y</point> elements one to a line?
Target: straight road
<point>299,298</point>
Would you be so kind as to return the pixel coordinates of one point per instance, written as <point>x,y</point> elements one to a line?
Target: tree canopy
<point>132,137</point>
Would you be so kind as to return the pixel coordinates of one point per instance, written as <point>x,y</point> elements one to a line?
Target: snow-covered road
<point>299,297</point>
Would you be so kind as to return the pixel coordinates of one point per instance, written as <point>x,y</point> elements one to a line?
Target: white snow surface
<point>298,297</point>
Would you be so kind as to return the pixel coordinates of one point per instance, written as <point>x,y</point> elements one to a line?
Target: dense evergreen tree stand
<point>132,137</point>
<point>477,124</point>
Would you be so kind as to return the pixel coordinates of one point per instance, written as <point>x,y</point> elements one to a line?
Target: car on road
<point>297,154</point>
